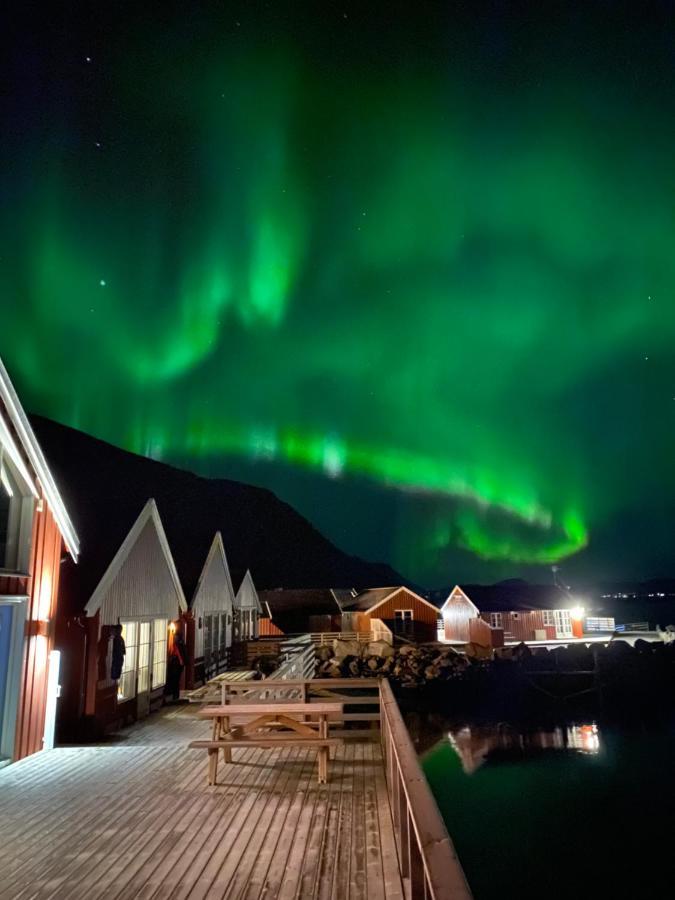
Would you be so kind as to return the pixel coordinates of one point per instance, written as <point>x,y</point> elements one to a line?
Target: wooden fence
<point>428,861</point>
<point>299,659</point>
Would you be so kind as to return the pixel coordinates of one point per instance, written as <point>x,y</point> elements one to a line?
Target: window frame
<point>496,620</point>
<point>131,648</point>
<point>21,509</point>
<point>155,643</point>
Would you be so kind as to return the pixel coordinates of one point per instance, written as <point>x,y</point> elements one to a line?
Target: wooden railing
<point>299,659</point>
<point>352,692</point>
<point>429,865</point>
<point>428,861</point>
<point>378,632</point>
<point>327,637</point>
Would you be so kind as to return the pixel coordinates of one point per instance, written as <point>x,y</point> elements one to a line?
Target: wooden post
<point>213,764</point>
<point>224,729</point>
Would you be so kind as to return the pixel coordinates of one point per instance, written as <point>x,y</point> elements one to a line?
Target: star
<point>102,282</point>
<point>87,59</point>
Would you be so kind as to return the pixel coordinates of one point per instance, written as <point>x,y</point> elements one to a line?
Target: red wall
<point>425,618</point>
<point>521,628</point>
<point>267,628</point>
<point>42,589</point>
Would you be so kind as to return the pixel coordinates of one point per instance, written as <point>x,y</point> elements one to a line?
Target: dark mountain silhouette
<point>105,489</point>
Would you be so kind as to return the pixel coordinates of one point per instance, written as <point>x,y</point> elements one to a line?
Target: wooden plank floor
<point>134,818</point>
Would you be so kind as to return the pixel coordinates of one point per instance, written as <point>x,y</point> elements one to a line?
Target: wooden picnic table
<point>275,724</point>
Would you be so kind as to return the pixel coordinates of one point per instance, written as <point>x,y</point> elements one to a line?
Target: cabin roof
<point>309,601</point>
<point>517,596</point>
<point>365,600</point>
<point>148,514</point>
<point>104,507</point>
<point>31,448</point>
<point>370,599</point>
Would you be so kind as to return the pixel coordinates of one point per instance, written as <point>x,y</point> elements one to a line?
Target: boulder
<point>343,649</point>
<point>379,648</point>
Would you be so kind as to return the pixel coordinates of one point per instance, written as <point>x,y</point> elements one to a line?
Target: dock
<point>134,817</point>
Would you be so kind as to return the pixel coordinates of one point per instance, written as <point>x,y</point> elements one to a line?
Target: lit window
<point>126,686</point>
<point>159,637</point>
<point>143,681</point>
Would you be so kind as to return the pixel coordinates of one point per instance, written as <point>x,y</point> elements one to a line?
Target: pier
<point>135,817</point>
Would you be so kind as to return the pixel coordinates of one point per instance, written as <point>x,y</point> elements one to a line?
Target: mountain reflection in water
<point>478,744</point>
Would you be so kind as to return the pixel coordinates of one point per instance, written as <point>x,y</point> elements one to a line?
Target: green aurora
<point>438,267</point>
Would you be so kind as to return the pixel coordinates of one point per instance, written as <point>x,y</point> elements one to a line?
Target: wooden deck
<point>134,818</point>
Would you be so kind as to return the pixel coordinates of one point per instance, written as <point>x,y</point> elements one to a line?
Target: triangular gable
<point>217,548</point>
<point>457,590</point>
<point>395,590</point>
<point>148,513</point>
<point>247,589</point>
<point>24,432</point>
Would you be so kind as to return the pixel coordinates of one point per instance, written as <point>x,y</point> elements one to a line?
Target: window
<point>403,621</point>
<point>143,683</point>
<point>16,518</point>
<point>159,637</point>
<point>515,616</point>
<point>222,648</point>
<point>548,618</point>
<point>496,620</point>
<point>563,623</point>
<point>208,641</point>
<point>126,686</point>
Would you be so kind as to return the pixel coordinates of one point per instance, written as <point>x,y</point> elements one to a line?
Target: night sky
<point>412,266</point>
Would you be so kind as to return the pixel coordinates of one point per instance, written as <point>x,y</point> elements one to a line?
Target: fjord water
<point>571,810</point>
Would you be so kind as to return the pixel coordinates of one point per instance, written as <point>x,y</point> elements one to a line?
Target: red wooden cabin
<point>35,531</point>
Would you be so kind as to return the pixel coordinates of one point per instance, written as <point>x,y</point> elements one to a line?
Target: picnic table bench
<point>274,724</point>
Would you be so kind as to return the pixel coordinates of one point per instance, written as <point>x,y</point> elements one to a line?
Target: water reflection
<point>476,745</point>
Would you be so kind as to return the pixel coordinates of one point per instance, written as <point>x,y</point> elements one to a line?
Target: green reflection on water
<point>560,822</point>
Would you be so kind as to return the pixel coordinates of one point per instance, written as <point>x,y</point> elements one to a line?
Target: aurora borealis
<point>412,268</point>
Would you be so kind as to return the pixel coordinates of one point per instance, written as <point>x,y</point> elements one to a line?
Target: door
<point>208,645</point>
<point>143,680</point>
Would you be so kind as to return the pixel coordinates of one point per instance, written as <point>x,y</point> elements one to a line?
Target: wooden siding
<point>405,599</point>
<point>214,596</point>
<point>425,618</point>
<point>45,562</point>
<point>267,628</point>
<point>457,614</point>
<point>481,634</point>
<point>247,596</point>
<point>14,585</point>
<point>143,586</point>
<point>520,625</point>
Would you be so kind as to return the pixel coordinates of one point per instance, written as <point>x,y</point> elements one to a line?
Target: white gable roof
<point>21,426</point>
<point>247,596</point>
<point>149,513</point>
<point>217,548</point>
<point>458,592</point>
